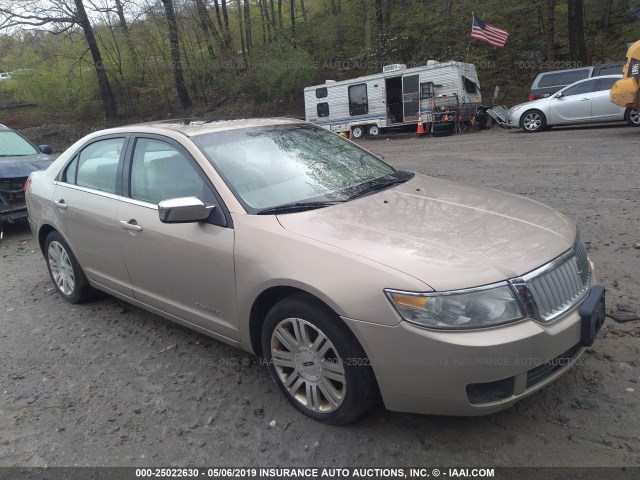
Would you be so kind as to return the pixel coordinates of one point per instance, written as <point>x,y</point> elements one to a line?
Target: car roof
<point>199,126</point>
<point>617,75</point>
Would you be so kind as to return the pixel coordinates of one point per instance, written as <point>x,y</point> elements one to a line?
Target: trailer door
<point>411,97</point>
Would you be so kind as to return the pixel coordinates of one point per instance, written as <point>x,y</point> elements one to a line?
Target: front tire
<point>65,271</point>
<point>357,132</point>
<point>317,362</point>
<point>533,121</point>
<point>632,117</point>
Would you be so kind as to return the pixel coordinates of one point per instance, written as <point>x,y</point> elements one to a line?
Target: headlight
<point>472,308</point>
<point>516,108</point>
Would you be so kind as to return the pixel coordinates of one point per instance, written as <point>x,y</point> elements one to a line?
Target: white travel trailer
<point>397,96</point>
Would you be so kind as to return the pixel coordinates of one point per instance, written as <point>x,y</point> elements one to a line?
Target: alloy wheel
<point>308,365</point>
<point>61,268</point>
<point>532,121</point>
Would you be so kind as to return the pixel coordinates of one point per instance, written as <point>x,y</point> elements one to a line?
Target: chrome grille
<point>556,287</point>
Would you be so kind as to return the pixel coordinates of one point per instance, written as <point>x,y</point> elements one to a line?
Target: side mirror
<point>46,149</point>
<point>559,95</point>
<point>183,210</point>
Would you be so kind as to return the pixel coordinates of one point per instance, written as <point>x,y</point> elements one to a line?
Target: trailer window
<point>321,92</point>
<point>426,90</point>
<point>469,85</point>
<point>358,100</point>
<point>323,109</point>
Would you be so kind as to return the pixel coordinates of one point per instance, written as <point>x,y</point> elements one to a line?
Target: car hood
<point>17,167</point>
<point>539,103</point>
<point>445,234</point>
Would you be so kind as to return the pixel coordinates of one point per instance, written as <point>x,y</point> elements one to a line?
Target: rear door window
<point>96,166</point>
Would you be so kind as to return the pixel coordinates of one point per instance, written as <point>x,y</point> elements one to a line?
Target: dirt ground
<point>107,384</point>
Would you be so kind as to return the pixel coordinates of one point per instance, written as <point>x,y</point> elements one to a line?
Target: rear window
<point>560,79</point>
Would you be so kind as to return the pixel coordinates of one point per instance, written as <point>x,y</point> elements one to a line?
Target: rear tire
<point>533,121</point>
<point>632,116</point>
<point>317,362</point>
<point>65,271</point>
<point>374,131</point>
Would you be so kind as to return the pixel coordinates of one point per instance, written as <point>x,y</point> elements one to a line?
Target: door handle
<point>61,205</point>
<point>130,225</point>
<point>584,99</point>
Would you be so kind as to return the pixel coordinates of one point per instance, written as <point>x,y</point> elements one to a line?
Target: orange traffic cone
<point>420,130</point>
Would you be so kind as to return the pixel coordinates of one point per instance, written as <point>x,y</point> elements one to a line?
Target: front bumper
<point>11,216</point>
<point>512,121</point>
<point>467,372</point>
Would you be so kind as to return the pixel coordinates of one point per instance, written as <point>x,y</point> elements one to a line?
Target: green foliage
<point>332,44</point>
<point>281,72</point>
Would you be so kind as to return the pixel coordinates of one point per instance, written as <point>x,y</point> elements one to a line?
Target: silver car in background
<point>586,101</point>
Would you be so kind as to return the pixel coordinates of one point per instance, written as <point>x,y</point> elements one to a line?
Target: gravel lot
<point>107,384</point>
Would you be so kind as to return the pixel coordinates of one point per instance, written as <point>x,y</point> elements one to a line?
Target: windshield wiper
<point>378,184</point>
<point>297,207</point>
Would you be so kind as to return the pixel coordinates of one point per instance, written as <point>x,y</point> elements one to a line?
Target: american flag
<point>488,33</point>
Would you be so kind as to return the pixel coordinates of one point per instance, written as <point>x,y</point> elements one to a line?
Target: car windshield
<point>293,165</point>
<point>13,145</point>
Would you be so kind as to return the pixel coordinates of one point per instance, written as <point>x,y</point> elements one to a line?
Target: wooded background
<point>113,59</point>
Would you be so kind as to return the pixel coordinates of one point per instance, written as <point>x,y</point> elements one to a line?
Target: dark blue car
<point>18,158</point>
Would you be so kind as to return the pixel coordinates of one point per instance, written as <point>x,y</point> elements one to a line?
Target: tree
<point>577,43</point>
<point>247,24</point>
<point>240,28</point>
<point>207,26</point>
<point>550,30</point>
<point>176,58</point>
<point>62,16</point>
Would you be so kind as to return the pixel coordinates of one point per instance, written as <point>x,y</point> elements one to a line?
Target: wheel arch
<point>271,296</point>
<point>43,233</point>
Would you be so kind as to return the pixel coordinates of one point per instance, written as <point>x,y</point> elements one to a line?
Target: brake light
<point>27,184</point>
<point>532,97</point>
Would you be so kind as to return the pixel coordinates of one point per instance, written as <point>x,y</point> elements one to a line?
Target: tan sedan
<point>356,282</point>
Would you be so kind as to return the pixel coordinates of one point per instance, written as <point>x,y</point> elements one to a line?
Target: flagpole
<point>469,45</point>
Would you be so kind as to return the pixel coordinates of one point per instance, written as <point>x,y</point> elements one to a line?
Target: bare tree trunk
<point>387,15</point>
<point>174,41</point>
<point>292,6</point>
<point>228,39</point>
<point>240,27</point>
<point>379,17</point>
<point>447,33</point>
<point>607,13</point>
<point>247,24</point>
<point>122,21</point>
<point>577,43</point>
<point>273,14</point>
<point>550,30</point>
<point>263,22</point>
<point>280,14</point>
<point>304,12</point>
<point>217,9</point>
<point>106,93</point>
<point>334,8</point>
<point>206,26</point>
